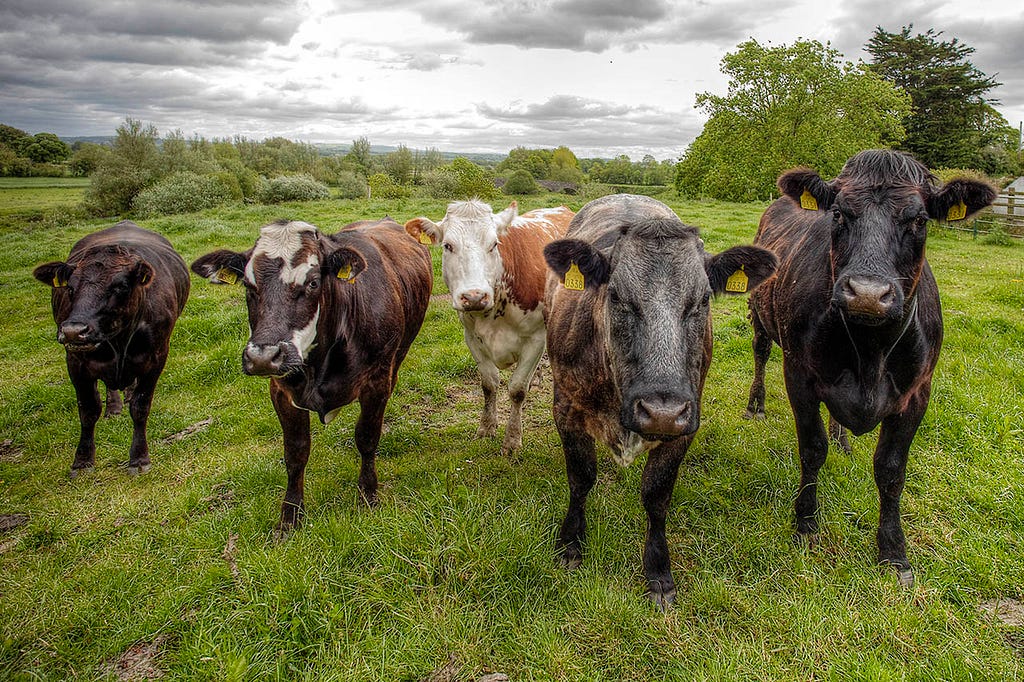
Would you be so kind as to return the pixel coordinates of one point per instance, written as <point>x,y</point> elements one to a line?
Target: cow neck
<point>121,357</point>
<point>908,318</point>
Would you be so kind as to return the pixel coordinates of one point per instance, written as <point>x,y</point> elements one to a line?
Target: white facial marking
<point>470,265</point>
<point>284,242</point>
<point>303,338</point>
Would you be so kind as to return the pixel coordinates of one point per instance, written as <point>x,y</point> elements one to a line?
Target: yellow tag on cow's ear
<point>345,273</point>
<point>574,278</point>
<point>737,282</point>
<point>227,276</point>
<point>58,282</point>
<point>957,211</point>
<point>807,201</point>
<point>425,239</point>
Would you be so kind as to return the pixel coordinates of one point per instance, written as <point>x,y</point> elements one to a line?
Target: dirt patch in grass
<point>140,662</point>
<point>1008,613</point>
<point>188,431</point>
<point>9,522</point>
<point>8,451</point>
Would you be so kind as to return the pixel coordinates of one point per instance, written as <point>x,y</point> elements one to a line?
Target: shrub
<point>299,187</point>
<point>350,185</point>
<point>382,186</point>
<point>521,182</point>
<point>183,192</point>
<point>997,236</point>
<point>441,183</point>
<point>461,179</point>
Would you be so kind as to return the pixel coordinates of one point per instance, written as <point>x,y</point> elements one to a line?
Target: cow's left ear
<point>142,273</point>
<point>424,230</point>
<point>503,220</point>
<point>55,274</point>
<point>344,263</point>
<point>577,263</point>
<point>960,198</point>
<point>805,187</point>
<point>221,266</point>
<point>739,269</point>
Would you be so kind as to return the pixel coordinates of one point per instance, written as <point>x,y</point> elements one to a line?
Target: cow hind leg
<point>518,387</point>
<point>368,428</point>
<point>581,471</point>
<point>295,428</point>
<point>837,434</point>
<point>659,479</point>
<point>114,403</point>
<point>89,408</point>
<point>762,344</point>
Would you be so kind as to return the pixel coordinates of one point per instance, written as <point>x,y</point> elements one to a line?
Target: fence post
<point>1010,201</point>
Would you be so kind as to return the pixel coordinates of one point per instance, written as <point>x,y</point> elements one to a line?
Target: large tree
<point>952,120</point>
<point>787,106</point>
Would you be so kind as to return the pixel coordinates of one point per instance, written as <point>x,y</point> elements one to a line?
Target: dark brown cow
<point>629,336</point>
<point>856,311</point>
<point>115,301</point>
<point>331,318</point>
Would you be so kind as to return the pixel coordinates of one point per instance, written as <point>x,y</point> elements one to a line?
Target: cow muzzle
<point>274,360</point>
<point>870,300</point>
<point>663,418</point>
<point>77,336</point>
<point>473,300</point>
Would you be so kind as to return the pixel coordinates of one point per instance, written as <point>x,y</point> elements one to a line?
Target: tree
<point>359,154</point>
<point>536,161</point>
<point>132,164</point>
<point>565,167</point>
<point>47,148</point>
<point>521,182</point>
<point>952,120</point>
<point>86,158</point>
<point>787,106</point>
<point>399,165</point>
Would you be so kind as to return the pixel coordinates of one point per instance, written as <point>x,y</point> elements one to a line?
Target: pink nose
<point>474,299</point>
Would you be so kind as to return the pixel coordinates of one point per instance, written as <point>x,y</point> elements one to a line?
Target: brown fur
<point>521,254</point>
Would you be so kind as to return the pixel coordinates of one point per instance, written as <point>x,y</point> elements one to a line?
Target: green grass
<point>32,198</point>
<point>456,566</point>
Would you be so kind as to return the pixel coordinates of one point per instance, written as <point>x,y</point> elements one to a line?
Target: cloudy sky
<point>605,77</point>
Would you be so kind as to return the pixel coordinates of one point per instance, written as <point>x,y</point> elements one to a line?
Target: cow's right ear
<point>425,231</point>
<point>55,274</point>
<point>221,266</point>
<point>805,187</point>
<point>344,263</point>
<point>591,267</point>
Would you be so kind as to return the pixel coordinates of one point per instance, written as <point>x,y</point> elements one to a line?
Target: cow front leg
<point>295,428</point>
<point>89,408</point>
<point>368,428</point>
<point>518,387</point>
<point>139,404</point>
<point>890,467</point>
<point>762,344</point>
<point>490,380</point>
<point>659,479</point>
<point>812,444</point>
<point>581,472</point>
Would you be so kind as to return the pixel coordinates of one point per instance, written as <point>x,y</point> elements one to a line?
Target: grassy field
<point>29,198</point>
<point>453,576</point>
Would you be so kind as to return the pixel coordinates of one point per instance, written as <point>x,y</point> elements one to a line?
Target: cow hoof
<point>663,596</point>
<point>110,414</point>
<point>753,415</point>
<point>281,534</point>
<point>906,578</point>
<point>806,540</point>
<point>570,559</point>
<point>140,469</point>
<point>509,449</point>
<point>78,471</point>
<point>487,431</point>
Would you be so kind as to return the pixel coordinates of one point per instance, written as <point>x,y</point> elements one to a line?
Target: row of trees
<point>21,154</point>
<point>803,104</point>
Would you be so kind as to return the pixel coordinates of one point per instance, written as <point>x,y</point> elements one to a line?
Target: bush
<point>997,236</point>
<point>521,182</point>
<point>183,192</point>
<point>461,179</point>
<point>441,183</point>
<point>291,188</point>
<point>350,185</point>
<point>382,186</point>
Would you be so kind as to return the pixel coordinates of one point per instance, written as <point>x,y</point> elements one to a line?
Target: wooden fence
<point>1005,213</point>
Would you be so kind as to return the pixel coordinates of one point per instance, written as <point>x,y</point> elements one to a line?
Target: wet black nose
<point>474,299</point>
<point>869,297</point>
<point>263,360</point>
<point>74,333</point>
<point>657,416</point>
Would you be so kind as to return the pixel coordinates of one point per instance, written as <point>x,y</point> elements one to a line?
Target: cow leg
<point>813,447</point>
<point>89,408</point>
<point>837,434</point>
<point>659,479</point>
<point>490,379</point>
<point>114,403</point>
<point>139,405</point>
<point>295,427</point>
<point>581,471</point>
<point>368,428</point>
<point>518,387</point>
<point>762,344</point>
<point>890,464</point>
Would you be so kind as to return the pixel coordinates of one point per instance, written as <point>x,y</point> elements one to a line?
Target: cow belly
<point>501,340</point>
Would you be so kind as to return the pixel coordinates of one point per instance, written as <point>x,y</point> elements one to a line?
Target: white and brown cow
<point>493,265</point>
<point>331,318</point>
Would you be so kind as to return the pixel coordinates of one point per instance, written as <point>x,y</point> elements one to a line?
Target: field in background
<point>454,574</point>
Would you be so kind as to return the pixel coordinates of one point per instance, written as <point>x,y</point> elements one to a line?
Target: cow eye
<point>314,284</point>
<point>493,247</point>
<point>448,247</point>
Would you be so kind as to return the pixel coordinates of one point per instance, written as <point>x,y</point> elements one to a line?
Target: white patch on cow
<point>284,241</point>
<point>303,339</point>
<point>629,446</point>
<point>329,417</point>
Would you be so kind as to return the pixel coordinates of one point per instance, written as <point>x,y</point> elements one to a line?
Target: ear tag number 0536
<point>737,282</point>
<point>574,278</point>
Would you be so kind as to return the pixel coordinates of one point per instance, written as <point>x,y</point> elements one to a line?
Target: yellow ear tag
<point>58,282</point>
<point>226,276</point>
<point>957,211</point>
<point>737,282</point>
<point>807,201</point>
<point>425,239</point>
<point>345,273</point>
<point>573,278</point>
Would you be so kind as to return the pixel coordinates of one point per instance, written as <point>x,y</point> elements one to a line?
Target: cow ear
<point>959,198</point>
<point>424,230</point>
<point>55,274</point>
<point>739,269</point>
<point>503,220</point>
<point>805,187</point>
<point>142,273</point>
<point>577,263</point>
<point>221,266</point>
<point>344,263</point>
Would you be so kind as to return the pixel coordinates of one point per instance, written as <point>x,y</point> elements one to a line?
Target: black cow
<point>115,301</point>
<point>331,318</point>
<point>629,336</point>
<point>855,308</point>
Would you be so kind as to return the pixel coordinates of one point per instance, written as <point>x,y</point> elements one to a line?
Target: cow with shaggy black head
<point>331,317</point>
<point>627,307</point>
<point>115,301</point>
<point>855,308</point>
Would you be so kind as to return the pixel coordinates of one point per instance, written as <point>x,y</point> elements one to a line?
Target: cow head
<point>470,263</point>
<point>880,205</point>
<point>103,295</point>
<point>283,278</point>
<point>655,291</point>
